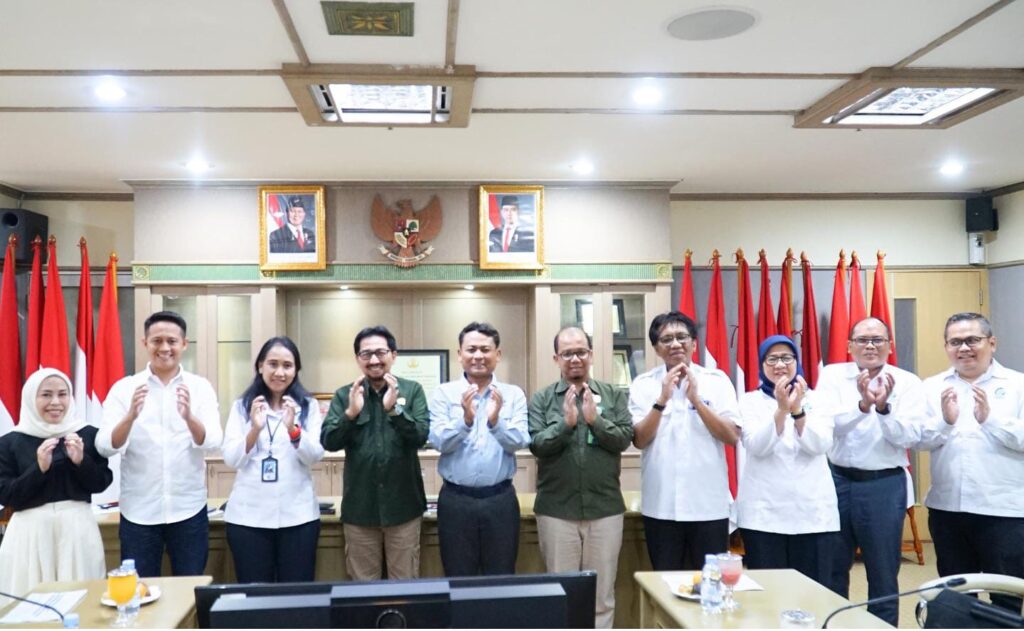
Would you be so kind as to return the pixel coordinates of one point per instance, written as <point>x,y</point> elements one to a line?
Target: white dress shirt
<point>684,473</point>
<point>291,500</point>
<point>786,486</point>
<point>163,471</point>
<point>870,441</point>
<point>480,455</point>
<point>977,467</point>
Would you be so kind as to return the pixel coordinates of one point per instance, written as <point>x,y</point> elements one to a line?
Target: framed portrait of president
<point>292,228</point>
<point>511,227</point>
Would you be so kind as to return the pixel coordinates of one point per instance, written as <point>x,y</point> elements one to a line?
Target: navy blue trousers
<point>274,555</point>
<point>871,515</point>
<point>810,554</point>
<point>187,543</point>
<point>478,535</point>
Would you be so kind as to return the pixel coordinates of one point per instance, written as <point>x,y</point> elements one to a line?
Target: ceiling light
<point>712,23</point>
<point>647,95</point>
<point>198,165</point>
<point>344,288</point>
<point>469,287</point>
<point>951,168</point>
<point>582,167</point>
<point>109,91</point>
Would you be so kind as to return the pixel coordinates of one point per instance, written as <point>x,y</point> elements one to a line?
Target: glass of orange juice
<point>121,586</point>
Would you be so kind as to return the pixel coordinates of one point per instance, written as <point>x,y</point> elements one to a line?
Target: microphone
<point>37,603</point>
<point>953,582</point>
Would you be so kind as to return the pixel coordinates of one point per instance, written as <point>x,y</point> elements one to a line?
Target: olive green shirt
<point>578,467</point>
<point>383,481</point>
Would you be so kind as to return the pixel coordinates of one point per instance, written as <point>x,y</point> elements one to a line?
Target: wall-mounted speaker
<point>981,216</point>
<point>24,224</point>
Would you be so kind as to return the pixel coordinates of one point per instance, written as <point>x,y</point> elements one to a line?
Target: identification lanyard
<point>268,466</point>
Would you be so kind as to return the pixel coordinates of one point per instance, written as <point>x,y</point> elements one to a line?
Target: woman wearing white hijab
<point>49,468</point>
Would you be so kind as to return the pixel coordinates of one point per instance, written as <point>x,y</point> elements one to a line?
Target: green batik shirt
<point>578,467</point>
<point>383,481</point>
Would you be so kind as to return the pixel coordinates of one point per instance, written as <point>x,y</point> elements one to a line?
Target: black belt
<point>479,492</point>
<point>865,475</point>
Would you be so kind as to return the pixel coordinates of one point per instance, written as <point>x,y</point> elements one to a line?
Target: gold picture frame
<point>511,239</point>
<point>287,244</point>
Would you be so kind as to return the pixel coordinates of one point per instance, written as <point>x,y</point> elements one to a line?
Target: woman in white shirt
<point>273,439</point>
<point>786,507</point>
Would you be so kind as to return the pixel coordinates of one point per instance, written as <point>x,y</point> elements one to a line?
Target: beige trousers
<point>367,547</point>
<point>570,546</point>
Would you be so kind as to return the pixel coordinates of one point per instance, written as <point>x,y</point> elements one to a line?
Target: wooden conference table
<point>783,589</point>
<point>175,609</point>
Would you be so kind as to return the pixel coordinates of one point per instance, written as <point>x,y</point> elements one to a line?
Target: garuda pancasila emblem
<point>406,232</point>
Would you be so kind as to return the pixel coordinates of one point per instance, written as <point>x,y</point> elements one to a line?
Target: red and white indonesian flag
<point>107,365</point>
<point>34,316</point>
<point>880,303</point>
<point>716,350</point>
<point>275,211</point>
<point>53,342</point>
<point>784,325</point>
<point>686,303</point>
<point>84,343</point>
<point>10,345</point>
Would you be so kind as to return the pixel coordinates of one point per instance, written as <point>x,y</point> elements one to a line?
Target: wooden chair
<point>915,545</point>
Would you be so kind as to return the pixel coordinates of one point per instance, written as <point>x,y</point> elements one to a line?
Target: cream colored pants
<point>366,548</point>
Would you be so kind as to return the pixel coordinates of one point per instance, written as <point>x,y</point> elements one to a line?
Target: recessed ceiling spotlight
<point>109,90</point>
<point>582,167</point>
<point>198,165</point>
<point>344,288</point>
<point>952,168</point>
<point>469,287</point>
<point>647,95</point>
<point>712,23</point>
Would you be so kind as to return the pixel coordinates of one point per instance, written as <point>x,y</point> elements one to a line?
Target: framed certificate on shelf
<point>428,367</point>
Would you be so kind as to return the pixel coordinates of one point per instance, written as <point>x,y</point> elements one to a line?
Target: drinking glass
<point>121,585</point>
<point>731,566</point>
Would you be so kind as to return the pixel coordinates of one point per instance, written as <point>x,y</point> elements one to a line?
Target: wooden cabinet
<point>328,474</point>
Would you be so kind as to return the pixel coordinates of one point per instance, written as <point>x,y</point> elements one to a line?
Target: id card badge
<point>269,469</point>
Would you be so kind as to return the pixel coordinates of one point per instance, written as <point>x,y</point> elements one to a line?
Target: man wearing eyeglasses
<point>975,431</point>
<point>380,421</point>
<point>579,428</point>
<point>683,415</point>
<point>877,410</point>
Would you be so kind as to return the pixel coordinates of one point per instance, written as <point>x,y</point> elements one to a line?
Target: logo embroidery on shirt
<point>1000,392</point>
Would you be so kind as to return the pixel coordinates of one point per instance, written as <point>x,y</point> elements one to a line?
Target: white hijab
<point>31,423</point>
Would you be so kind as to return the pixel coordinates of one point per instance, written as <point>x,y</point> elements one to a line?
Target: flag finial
<point>880,255</point>
<point>803,257</point>
<point>37,242</point>
<point>12,240</point>
<point>842,255</point>
<point>715,255</point>
<point>52,240</point>
<point>739,254</point>
<point>81,242</point>
<point>853,257</point>
<point>688,253</point>
<point>761,254</point>
<point>113,257</point>
<point>789,254</point>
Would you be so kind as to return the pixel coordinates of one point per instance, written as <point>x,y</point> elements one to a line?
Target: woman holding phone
<point>272,438</point>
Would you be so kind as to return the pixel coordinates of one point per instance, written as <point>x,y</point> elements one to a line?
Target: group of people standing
<point>824,471</point>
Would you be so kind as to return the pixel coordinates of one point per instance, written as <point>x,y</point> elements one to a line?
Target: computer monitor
<point>579,587</point>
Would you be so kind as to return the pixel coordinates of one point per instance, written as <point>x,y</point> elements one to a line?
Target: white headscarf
<point>31,423</point>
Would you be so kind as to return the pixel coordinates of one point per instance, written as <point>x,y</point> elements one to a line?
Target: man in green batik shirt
<point>380,421</point>
<point>579,428</point>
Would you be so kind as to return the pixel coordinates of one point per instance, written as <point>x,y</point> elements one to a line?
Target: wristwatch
<point>884,411</point>
<point>657,406</point>
<point>399,407</point>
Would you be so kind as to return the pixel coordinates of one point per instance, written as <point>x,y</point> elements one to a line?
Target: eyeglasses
<point>973,341</point>
<point>682,338</point>
<point>873,341</point>
<point>774,360</point>
<point>569,355</point>
<point>380,353</point>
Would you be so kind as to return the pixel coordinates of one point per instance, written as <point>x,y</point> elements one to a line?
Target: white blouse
<point>786,486</point>
<point>291,500</point>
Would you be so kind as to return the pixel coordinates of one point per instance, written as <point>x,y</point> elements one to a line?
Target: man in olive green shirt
<point>380,421</point>
<point>579,428</point>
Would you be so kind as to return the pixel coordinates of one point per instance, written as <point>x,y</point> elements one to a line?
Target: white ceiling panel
<point>426,47</point>
<point>119,34</point>
<point>242,91</point>
<point>799,36</point>
<point>995,42</point>
<point>730,94</point>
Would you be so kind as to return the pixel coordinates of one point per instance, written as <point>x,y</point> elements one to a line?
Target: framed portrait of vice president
<point>511,227</point>
<point>292,228</point>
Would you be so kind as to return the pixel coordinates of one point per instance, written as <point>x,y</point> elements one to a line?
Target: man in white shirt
<point>162,421</point>
<point>877,410</point>
<point>975,431</point>
<point>683,416</point>
<point>478,423</point>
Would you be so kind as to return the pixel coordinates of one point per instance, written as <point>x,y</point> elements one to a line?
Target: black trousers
<point>810,554</point>
<point>967,543</point>
<point>274,555</point>
<point>681,545</point>
<point>478,529</point>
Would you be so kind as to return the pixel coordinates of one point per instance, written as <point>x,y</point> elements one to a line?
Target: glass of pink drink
<point>731,566</point>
